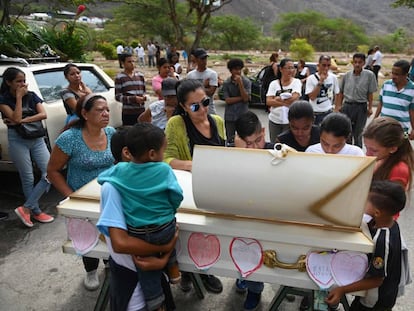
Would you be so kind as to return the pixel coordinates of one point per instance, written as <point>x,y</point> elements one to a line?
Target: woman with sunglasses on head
<point>15,99</point>
<point>84,148</point>
<point>192,125</point>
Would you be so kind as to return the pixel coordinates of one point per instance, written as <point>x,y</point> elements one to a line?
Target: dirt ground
<point>254,61</point>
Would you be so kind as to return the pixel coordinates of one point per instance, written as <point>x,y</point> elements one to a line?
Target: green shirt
<point>178,141</point>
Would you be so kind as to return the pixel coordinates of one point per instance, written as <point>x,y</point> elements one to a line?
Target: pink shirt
<point>156,84</point>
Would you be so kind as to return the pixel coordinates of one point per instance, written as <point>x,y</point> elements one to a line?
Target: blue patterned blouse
<point>84,164</point>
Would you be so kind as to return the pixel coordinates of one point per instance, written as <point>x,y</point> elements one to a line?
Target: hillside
<point>376,16</point>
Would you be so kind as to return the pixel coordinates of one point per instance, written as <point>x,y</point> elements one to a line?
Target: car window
<point>52,82</point>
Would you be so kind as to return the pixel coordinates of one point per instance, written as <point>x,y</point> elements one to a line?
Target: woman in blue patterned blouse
<point>84,148</point>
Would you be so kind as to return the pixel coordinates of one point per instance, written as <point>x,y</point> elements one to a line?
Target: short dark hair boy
<point>143,137</point>
<point>383,277</point>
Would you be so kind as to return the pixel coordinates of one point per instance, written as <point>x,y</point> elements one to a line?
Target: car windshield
<point>52,82</point>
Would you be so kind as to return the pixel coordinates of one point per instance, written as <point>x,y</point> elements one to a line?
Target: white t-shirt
<point>346,150</point>
<point>119,49</point>
<point>140,51</point>
<point>279,115</point>
<point>325,98</point>
<point>112,216</point>
<point>158,114</point>
<point>378,58</point>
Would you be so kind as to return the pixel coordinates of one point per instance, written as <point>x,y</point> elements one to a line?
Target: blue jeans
<point>151,280</point>
<point>22,152</point>
<point>255,287</point>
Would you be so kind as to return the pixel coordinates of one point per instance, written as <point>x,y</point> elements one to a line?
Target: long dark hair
<point>282,64</point>
<point>389,133</point>
<point>9,75</point>
<point>183,88</point>
<point>67,68</point>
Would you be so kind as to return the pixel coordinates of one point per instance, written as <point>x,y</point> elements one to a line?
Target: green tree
<point>301,49</point>
<point>181,23</point>
<point>396,42</point>
<point>232,32</point>
<point>320,31</point>
<point>407,3</point>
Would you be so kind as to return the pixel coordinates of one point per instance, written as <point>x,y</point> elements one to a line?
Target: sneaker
<point>185,283</point>
<point>24,217</point>
<point>212,283</point>
<point>241,286</point>
<point>252,301</point>
<point>91,281</point>
<point>3,215</point>
<point>43,218</point>
<point>174,274</point>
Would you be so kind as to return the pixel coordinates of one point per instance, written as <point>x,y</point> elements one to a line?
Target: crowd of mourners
<point>314,113</point>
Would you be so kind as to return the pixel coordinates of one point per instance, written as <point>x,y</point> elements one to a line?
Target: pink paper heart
<point>83,234</point>
<point>247,255</point>
<point>318,266</point>
<point>204,249</point>
<point>348,267</point>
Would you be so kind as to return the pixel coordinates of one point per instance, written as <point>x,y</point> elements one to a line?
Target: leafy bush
<point>107,50</point>
<point>117,42</point>
<point>301,49</point>
<point>134,43</point>
<point>18,40</point>
<point>68,39</point>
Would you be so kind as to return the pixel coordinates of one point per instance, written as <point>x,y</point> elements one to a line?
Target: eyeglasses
<point>196,106</point>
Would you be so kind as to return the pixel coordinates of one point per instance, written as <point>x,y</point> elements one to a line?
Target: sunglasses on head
<point>196,106</point>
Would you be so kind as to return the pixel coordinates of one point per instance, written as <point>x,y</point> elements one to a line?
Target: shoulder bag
<point>29,130</point>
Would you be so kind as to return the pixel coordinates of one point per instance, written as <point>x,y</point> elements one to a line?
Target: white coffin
<point>239,193</point>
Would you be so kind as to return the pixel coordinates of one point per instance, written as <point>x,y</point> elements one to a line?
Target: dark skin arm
<point>335,294</point>
<point>126,244</point>
<point>152,263</point>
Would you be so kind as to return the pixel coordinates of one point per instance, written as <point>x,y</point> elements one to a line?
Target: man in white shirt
<point>322,89</point>
<point>376,61</point>
<point>139,50</point>
<point>119,52</point>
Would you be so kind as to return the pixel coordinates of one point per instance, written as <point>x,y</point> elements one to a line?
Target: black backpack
<point>268,76</point>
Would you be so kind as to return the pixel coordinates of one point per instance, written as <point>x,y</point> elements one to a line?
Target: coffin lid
<point>315,189</point>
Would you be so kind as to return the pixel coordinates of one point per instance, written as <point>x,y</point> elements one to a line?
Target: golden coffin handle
<point>270,260</point>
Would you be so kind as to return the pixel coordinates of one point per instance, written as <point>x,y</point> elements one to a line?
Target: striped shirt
<point>127,88</point>
<point>397,103</point>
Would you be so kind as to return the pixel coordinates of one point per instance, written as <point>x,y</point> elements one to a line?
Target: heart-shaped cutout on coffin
<point>204,249</point>
<point>348,267</point>
<point>247,255</point>
<point>83,234</point>
<point>318,266</point>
